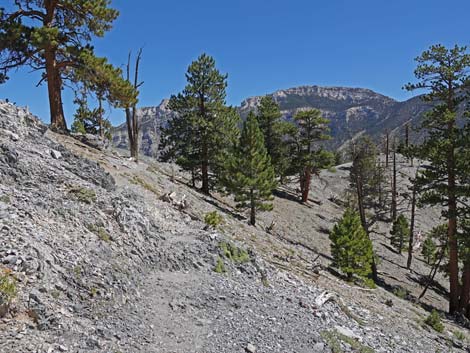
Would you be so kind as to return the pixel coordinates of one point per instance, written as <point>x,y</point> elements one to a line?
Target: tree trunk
<point>452,232</point>
<point>465,292</point>
<point>386,149</point>
<point>100,112</point>
<point>54,81</point>
<point>394,186</point>
<point>131,117</point>
<point>252,209</point>
<point>205,170</point>
<point>412,227</point>
<point>305,184</point>
<point>54,87</point>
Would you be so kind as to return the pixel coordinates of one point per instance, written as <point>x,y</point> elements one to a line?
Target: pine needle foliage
<point>350,247</point>
<point>248,173</point>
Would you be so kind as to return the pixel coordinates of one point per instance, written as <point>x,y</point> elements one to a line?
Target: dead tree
<point>133,126</point>
<point>412,223</point>
<point>387,148</point>
<point>394,185</point>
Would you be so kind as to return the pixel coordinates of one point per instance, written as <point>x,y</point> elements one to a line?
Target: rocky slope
<point>351,111</point>
<point>105,260</point>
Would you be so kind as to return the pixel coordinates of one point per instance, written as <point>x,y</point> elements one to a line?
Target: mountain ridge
<point>351,110</point>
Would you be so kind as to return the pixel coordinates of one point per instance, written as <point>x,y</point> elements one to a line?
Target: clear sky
<point>265,45</point>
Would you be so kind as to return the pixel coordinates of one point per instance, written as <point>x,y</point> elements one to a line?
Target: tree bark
<point>54,81</point>
<point>465,290</point>
<point>305,184</point>
<point>412,227</point>
<point>394,186</point>
<point>386,149</point>
<point>100,112</point>
<point>252,209</point>
<point>133,126</point>
<point>205,170</point>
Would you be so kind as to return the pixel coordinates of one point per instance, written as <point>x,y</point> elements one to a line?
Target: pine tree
<point>350,246</point>
<point>203,127</point>
<point>275,131</point>
<point>366,181</point>
<point>248,174</point>
<point>444,73</point>
<point>400,233</point>
<point>98,78</point>
<point>429,250</point>
<point>51,35</point>
<point>310,159</point>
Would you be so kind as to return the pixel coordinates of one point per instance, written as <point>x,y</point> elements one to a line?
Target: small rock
<point>250,348</point>
<point>56,154</point>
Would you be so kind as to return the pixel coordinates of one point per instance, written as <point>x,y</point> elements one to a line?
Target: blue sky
<point>265,45</point>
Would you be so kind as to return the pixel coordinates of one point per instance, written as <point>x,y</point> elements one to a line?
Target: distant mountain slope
<point>351,111</point>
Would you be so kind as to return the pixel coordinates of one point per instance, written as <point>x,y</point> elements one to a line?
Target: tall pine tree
<point>444,74</point>
<point>248,174</point>
<point>51,35</point>
<point>366,183</point>
<point>275,131</point>
<point>203,127</point>
<point>310,158</point>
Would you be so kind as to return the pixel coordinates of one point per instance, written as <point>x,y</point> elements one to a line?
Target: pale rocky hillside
<point>106,261</point>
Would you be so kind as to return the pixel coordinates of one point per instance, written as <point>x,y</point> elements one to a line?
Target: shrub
<point>434,320</point>
<point>219,266</point>
<point>8,288</point>
<point>100,232</point>
<point>213,219</point>
<point>400,292</point>
<point>138,181</point>
<point>234,253</point>
<point>350,247</point>
<point>83,194</point>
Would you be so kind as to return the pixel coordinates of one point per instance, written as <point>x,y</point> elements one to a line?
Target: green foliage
<point>100,232</point>
<point>434,320</point>
<point>53,35</point>
<point>400,292</point>
<point>139,181</point>
<point>334,340</point>
<point>311,129</point>
<point>83,194</point>
<point>8,289</point>
<point>203,129</point>
<point>234,253</point>
<point>444,73</point>
<point>367,177</point>
<point>429,250</point>
<point>460,335</point>
<point>5,199</point>
<point>350,247</point>
<point>213,219</point>
<point>96,77</point>
<point>400,233</point>
<point>220,266</point>
<point>248,173</point>
<point>275,131</point>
